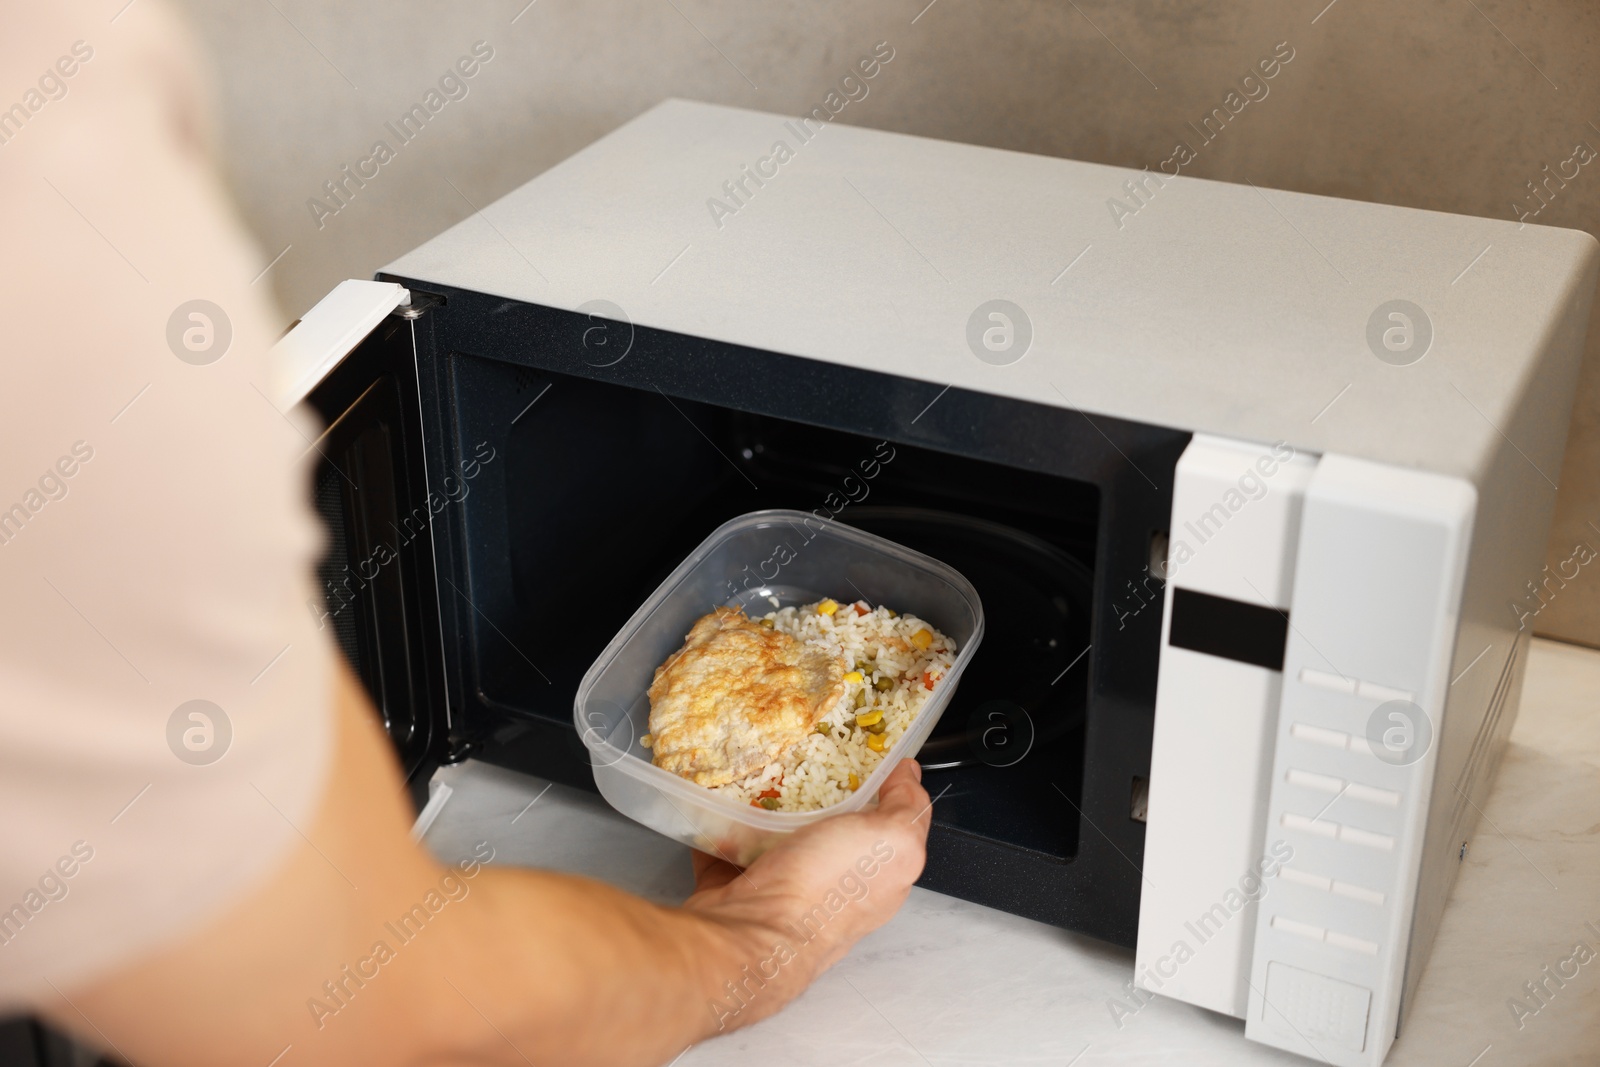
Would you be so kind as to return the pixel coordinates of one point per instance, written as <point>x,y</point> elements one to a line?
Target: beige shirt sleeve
<point>165,713</point>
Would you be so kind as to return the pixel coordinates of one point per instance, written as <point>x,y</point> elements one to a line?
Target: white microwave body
<point>1356,528</point>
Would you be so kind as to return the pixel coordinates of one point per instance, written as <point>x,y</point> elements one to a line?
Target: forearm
<point>427,964</point>
<point>500,965</point>
<point>574,972</point>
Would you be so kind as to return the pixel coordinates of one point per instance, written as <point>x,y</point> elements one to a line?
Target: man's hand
<point>819,892</point>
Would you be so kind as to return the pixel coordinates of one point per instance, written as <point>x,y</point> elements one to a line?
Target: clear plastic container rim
<point>603,753</point>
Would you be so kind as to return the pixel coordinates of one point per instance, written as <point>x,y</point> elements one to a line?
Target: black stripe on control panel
<point>1231,629</point>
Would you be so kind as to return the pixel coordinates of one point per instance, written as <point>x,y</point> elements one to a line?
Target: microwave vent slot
<point>1483,745</point>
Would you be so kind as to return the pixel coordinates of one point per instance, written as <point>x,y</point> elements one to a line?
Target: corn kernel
<point>875,742</point>
<point>870,718</point>
<point>828,607</point>
<point>922,639</point>
<point>853,676</point>
<point>855,783</point>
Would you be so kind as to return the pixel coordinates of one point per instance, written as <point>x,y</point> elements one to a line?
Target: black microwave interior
<point>600,490</point>
<point>561,481</point>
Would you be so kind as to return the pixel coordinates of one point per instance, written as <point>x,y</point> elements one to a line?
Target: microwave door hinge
<point>418,303</point>
<point>458,747</point>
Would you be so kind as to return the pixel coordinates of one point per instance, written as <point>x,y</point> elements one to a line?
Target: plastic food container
<point>797,558</point>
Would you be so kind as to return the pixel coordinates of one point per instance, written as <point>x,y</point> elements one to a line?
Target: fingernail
<point>918,768</point>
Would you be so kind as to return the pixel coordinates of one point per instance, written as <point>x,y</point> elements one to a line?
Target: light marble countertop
<point>948,982</point>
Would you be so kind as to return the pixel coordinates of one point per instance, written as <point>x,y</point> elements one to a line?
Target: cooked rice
<point>816,772</point>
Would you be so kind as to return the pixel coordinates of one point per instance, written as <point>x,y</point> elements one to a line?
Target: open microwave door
<point>353,360</point>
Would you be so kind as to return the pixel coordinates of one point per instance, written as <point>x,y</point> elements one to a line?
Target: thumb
<point>902,795</point>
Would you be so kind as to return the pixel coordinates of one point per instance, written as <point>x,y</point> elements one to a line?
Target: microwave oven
<point>1254,485</point>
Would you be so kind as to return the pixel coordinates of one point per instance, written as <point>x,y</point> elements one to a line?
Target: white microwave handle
<point>327,333</point>
<point>1231,544</point>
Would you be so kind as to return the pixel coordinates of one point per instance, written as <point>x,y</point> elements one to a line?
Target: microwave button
<point>1373,795</point>
<point>1323,680</point>
<point>1380,693</point>
<point>1300,929</point>
<point>1317,735</point>
<point>1321,1008</point>
<point>1306,824</point>
<point>1382,842</point>
<point>1358,892</point>
<point>1322,783</point>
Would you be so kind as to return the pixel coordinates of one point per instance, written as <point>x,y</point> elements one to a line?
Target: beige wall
<point>1425,104</point>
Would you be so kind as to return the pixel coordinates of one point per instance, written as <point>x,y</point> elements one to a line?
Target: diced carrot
<point>862,609</point>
